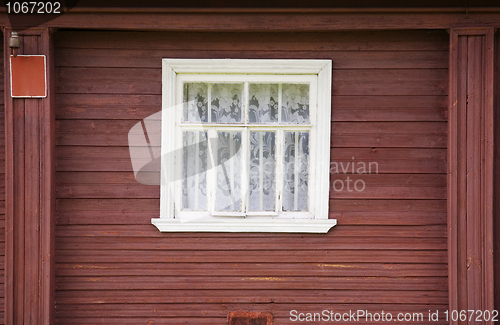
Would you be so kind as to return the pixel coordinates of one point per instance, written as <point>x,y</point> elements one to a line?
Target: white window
<point>245,146</point>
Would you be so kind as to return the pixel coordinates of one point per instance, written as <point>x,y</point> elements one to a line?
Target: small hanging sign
<point>28,76</point>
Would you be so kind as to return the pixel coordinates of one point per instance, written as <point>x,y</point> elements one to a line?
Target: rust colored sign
<point>28,78</point>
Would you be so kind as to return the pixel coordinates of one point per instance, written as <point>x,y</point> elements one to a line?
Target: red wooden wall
<point>2,192</point>
<point>388,252</point>
<point>496,204</point>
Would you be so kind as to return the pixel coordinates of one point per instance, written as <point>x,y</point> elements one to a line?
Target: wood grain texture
<point>29,272</point>
<point>389,98</point>
<point>496,204</point>
<point>470,199</point>
<point>270,21</point>
<point>2,190</point>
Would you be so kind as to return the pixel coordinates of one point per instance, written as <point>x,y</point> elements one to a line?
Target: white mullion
<point>231,167</point>
<point>212,172</point>
<point>253,127</point>
<point>245,165</point>
<point>245,103</point>
<point>196,169</point>
<point>296,173</point>
<point>280,92</point>
<point>209,104</point>
<point>178,143</point>
<point>261,171</point>
<point>279,172</point>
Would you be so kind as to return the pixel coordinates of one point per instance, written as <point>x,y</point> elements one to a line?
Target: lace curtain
<point>226,106</point>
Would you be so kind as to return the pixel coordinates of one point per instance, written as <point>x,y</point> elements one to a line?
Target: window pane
<point>228,190</point>
<point>262,175</point>
<point>195,102</point>
<point>226,103</point>
<point>194,166</point>
<point>296,176</point>
<point>295,103</point>
<point>263,103</point>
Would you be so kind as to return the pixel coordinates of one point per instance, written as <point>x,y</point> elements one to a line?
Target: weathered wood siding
<point>496,185</point>
<point>2,191</point>
<point>388,251</point>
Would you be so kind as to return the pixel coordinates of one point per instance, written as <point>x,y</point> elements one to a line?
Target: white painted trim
<point>250,66</point>
<point>44,71</point>
<point>315,72</point>
<point>168,122</point>
<point>322,139</point>
<point>246,225</point>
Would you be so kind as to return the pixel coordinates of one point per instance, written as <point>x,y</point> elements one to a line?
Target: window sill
<point>319,226</point>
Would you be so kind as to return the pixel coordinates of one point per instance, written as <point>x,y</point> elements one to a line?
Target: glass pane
<point>226,103</point>
<point>195,102</point>
<point>194,166</point>
<point>296,178</point>
<point>262,176</point>
<point>228,191</point>
<point>295,103</point>
<point>263,103</point>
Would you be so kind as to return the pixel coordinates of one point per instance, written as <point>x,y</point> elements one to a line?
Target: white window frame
<point>317,73</point>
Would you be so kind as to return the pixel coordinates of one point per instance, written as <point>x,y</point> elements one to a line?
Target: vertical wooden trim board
<point>29,297</point>
<point>496,204</point>
<point>470,170</point>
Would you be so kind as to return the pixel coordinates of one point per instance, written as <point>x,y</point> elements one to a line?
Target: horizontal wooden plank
<point>389,134</point>
<point>290,243</point>
<point>102,185</point>
<point>396,114</point>
<point>346,211</point>
<point>367,128</point>
<point>175,320</point>
<point>118,217</point>
<point>341,230</point>
<point>128,205</point>
<point>383,186</point>
<point>78,158</point>
<point>96,132</point>
<point>219,310</point>
<point>344,134</point>
<point>339,114</point>
<point>379,87</point>
<point>124,185</point>
<point>258,272</point>
<point>252,296</point>
<point>391,140</point>
<point>133,321</point>
<point>147,281</point>
<point>362,82</point>
<point>387,218</point>
<point>108,81</point>
<point>274,20</point>
<point>390,160</point>
<point>387,82</point>
<point>334,41</point>
<point>108,191</point>
<point>298,256</point>
<point>106,106</point>
<point>151,58</point>
<point>345,108</point>
<point>420,206</point>
<point>424,101</point>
